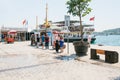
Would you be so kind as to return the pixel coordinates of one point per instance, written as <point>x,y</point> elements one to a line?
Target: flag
<point>25,22</point>
<point>92,18</point>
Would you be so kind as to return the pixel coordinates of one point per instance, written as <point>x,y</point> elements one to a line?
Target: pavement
<point>20,61</point>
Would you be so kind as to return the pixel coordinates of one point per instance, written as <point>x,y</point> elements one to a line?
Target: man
<point>43,41</point>
<point>38,40</point>
<point>46,41</point>
<point>32,39</point>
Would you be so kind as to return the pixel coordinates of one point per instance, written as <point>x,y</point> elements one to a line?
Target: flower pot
<point>81,48</point>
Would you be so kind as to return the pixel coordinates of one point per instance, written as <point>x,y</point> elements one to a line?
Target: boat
<point>70,29</point>
<point>72,32</point>
<point>71,36</point>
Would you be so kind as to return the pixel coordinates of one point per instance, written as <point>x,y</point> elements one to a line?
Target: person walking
<point>46,41</point>
<point>38,40</point>
<point>89,40</point>
<point>43,41</point>
<point>32,39</point>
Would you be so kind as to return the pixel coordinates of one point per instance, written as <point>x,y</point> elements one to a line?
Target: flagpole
<point>27,30</point>
<point>94,21</point>
<point>25,25</point>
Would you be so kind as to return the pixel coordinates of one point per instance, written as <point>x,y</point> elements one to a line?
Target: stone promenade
<point>20,61</point>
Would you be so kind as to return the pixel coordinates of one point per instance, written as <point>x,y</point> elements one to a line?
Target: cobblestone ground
<point>20,61</point>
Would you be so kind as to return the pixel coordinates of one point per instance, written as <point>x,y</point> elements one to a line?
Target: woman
<point>61,44</point>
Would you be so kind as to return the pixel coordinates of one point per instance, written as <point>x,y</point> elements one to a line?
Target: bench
<point>110,56</point>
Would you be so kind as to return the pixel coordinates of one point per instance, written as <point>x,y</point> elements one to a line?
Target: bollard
<point>94,54</point>
<point>111,56</point>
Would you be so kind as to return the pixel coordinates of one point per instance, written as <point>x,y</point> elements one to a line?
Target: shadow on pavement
<point>26,67</point>
<point>66,58</point>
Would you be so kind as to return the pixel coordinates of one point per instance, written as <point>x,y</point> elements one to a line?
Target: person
<point>5,38</point>
<point>61,44</point>
<point>43,41</point>
<point>89,40</point>
<point>46,41</point>
<point>38,40</point>
<point>57,46</point>
<point>56,37</point>
<point>32,39</point>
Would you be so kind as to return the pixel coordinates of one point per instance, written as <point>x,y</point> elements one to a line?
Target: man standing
<point>38,40</point>
<point>43,41</point>
<point>32,39</point>
<point>46,41</point>
<point>89,39</point>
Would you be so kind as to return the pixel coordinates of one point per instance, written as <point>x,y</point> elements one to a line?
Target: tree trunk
<point>81,28</point>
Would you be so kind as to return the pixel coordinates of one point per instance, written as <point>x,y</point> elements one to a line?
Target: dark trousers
<point>57,47</point>
<point>47,45</point>
<point>32,42</point>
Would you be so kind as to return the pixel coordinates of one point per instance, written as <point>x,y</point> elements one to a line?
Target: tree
<point>79,8</point>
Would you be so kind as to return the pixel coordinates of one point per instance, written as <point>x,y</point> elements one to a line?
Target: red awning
<point>12,32</point>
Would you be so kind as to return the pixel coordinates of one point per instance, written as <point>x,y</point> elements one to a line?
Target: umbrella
<point>12,32</point>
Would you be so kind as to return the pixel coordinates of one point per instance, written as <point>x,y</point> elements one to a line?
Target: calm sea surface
<point>110,40</point>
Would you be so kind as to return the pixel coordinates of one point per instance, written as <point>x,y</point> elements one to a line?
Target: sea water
<point>109,40</point>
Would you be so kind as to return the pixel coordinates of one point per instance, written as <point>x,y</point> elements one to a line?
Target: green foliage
<point>78,7</point>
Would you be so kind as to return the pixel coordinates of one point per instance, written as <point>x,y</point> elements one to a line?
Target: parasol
<point>12,32</point>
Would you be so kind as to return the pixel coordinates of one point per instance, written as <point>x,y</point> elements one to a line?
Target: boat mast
<point>47,25</point>
<point>46,13</point>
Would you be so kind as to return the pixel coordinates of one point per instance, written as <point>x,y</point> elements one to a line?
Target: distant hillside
<point>115,31</point>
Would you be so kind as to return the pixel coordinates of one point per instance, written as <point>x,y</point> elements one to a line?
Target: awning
<point>12,32</point>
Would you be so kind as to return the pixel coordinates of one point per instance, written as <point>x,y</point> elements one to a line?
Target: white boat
<point>72,33</point>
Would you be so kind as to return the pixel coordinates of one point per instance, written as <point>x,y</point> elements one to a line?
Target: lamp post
<point>67,23</point>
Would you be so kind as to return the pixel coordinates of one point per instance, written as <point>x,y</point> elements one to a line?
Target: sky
<point>13,12</point>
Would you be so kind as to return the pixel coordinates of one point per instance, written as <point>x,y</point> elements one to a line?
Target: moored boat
<point>72,33</point>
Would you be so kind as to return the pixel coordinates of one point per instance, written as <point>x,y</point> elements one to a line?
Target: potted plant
<point>79,8</point>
